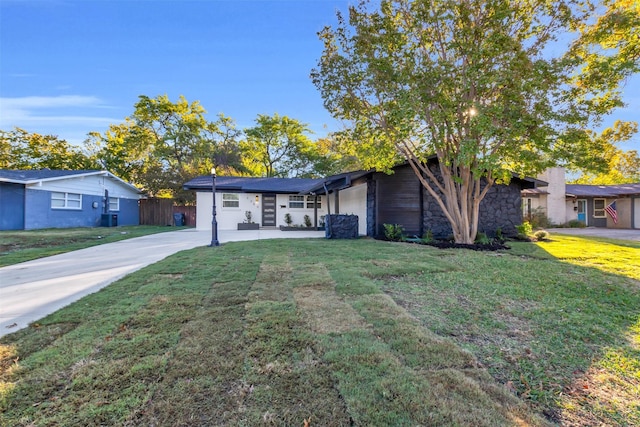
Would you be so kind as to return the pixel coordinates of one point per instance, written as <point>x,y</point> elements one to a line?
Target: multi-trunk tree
<point>490,88</point>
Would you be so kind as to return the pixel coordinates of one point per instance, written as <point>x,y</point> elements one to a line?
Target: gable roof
<point>253,185</point>
<point>28,177</point>
<point>583,190</point>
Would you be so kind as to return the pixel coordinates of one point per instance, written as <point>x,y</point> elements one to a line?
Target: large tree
<point>278,146</point>
<point>20,149</point>
<point>164,144</point>
<point>489,87</point>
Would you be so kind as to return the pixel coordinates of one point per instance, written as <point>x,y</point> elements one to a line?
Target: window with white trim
<point>598,208</point>
<point>230,200</point>
<point>114,204</point>
<point>311,202</point>
<point>296,202</point>
<point>66,200</point>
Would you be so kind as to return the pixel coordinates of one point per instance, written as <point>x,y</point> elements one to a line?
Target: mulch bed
<point>473,247</point>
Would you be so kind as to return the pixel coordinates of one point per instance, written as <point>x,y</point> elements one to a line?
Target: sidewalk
<point>611,233</point>
<point>34,289</point>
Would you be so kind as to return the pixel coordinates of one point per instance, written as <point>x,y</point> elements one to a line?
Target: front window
<point>311,202</point>
<point>114,204</point>
<point>66,200</point>
<point>230,200</point>
<point>598,208</point>
<point>296,202</point>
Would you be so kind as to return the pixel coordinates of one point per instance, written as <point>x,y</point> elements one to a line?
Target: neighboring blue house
<point>32,199</point>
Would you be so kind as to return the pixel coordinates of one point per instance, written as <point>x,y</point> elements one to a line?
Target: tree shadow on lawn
<point>563,336</point>
<point>607,391</point>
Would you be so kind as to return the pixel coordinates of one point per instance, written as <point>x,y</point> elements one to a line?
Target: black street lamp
<point>214,223</point>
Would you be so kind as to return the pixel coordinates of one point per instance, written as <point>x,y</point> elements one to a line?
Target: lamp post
<point>214,223</point>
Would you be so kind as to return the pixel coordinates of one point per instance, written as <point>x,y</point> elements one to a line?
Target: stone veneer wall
<point>500,209</point>
<point>341,227</point>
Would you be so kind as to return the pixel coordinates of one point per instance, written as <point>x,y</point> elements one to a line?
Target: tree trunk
<point>458,194</point>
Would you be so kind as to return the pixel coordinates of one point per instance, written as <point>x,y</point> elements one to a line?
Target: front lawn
<point>20,245</point>
<point>337,333</point>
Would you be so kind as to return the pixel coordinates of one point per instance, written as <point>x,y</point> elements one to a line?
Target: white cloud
<point>36,102</point>
<point>63,115</point>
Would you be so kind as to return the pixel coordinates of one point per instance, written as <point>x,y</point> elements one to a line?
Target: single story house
<point>607,206</point>
<point>265,200</point>
<point>33,199</point>
<point>376,198</point>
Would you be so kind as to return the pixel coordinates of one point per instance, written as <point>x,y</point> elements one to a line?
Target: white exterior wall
<point>536,202</point>
<point>228,218</point>
<point>571,213</point>
<point>92,185</point>
<point>353,200</point>
<point>297,214</point>
<point>556,208</point>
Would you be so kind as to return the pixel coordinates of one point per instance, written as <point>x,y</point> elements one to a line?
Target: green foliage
<point>307,221</point>
<point>538,218</point>
<point>524,230</point>
<point>287,219</point>
<point>394,232</point>
<point>20,149</point>
<point>499,236</point>
<point>420,78</point>
<point>427,237</point>
<point>279,146</point>
<point>619,167</point>
<point>482,239</point>
<point>164,144</point>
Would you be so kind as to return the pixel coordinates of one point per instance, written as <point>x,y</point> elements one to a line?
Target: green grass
<point>342,333</point>
<point>19,246</point>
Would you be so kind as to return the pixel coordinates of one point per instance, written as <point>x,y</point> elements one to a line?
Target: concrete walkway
<point>34,289</point>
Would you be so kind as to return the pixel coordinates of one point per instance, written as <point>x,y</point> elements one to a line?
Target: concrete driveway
<point>34,289</point>
<point>611,233</point>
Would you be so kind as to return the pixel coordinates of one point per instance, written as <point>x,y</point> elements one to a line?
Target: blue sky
<point>69,67</point>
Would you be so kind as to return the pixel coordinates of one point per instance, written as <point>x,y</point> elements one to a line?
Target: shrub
<point>574,223</point>
<point>482,239</point>
<point>538,219</point>
<point>249,217</point>
<point>524,230</point>
<point>287,219</point>
<point>393,232</point>
<point>427,237</point>
<point>541,235</point>
<point>499,236</point>
<point>307,221</point>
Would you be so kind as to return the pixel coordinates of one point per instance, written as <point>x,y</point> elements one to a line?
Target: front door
<point>269,210</point>
<point>582,211</point>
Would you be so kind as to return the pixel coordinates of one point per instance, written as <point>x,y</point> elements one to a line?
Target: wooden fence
<point>155,211</point>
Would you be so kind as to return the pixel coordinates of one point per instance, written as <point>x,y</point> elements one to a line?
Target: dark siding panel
<point>398,201</point>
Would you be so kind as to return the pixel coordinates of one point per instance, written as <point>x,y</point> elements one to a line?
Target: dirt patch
<point>325,311</point>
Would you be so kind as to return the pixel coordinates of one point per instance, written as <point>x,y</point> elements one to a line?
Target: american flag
<point>611,210</point>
